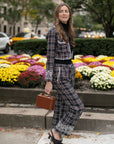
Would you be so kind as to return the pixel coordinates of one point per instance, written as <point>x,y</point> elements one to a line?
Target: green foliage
<point>35,10</point>
<point>83,46</point>
<point>38,9</point>
<point>33,46</point>
<point>94,47</point>
<point>74,4</point>
<point>84,21</point>
<point>12,14</point>
<point>101,11</point>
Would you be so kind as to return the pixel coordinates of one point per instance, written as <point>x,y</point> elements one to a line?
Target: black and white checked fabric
<point>56,49</point>
<point>68,106</point>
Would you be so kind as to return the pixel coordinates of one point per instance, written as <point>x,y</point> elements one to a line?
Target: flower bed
<point>29,71</point>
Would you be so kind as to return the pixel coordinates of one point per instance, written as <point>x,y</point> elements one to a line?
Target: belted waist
<point>63,61</point>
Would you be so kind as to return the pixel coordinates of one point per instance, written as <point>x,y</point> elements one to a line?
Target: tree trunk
<point>109,30</point>
<point>36,27</point>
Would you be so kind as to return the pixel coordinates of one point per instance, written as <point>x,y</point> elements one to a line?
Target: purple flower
<point>79,64</point>
<point>15,57</point>
<point>111,60</point>
<point>13,62</point>
<point>38,69</point>
<point>95,63</point>
<point>87,56</point>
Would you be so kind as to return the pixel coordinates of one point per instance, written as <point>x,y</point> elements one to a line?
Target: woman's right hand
<point>48,87</point>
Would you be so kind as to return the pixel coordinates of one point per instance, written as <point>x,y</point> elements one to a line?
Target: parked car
<point>23,36</point>
<point>4,42</point>
<point>41,37</point>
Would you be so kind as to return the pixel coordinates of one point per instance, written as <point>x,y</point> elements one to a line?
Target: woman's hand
<point>48,87</point>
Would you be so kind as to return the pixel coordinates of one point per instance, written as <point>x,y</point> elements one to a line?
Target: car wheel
<point>6,49</point>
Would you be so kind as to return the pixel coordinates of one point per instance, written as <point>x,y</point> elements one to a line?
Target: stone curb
<point>90,121</point>
<point>41,118</point>
<point>23,117</point>
<point>28,96</point>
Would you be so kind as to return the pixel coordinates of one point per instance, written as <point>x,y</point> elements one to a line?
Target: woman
<point>60,74</point>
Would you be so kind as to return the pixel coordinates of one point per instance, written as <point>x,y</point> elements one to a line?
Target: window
<point>18,29</point>
<point>14,30</point>
<point>10,30</point>
<point>5,10</point>
<point>0,27</point>
<point>5,29</point>
<point>10,10</point>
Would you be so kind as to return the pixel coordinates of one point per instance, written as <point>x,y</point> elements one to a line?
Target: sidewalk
<point>39,136</point>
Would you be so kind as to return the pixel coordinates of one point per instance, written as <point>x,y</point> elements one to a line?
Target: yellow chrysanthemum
<point>90,59</point>
<point>23,63</point>
<point>112,73</point>
<point>20,67</point>
<point>4,57</point>
<point>4,61</point>
<point>109,63</point>
<point>106,58</point>
<point>76,60</point>
<point>9,74</point>
<point>37,56</point>
<point>44,67</point>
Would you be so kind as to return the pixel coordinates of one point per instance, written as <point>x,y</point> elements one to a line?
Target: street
<point>11,52</point>
<point>39,136</point>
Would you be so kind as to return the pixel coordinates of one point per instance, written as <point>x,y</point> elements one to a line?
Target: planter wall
<point>28,96</point>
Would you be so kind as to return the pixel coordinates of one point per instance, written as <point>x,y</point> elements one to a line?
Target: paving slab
<point>83,138</point>
<point>9,135</point>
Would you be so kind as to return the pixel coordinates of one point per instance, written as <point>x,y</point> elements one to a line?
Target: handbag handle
<point>46,94</point>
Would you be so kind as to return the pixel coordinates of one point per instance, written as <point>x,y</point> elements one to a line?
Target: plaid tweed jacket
<point>56,49</point>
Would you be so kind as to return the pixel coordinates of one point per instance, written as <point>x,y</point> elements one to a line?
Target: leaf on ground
<point>75,136</point>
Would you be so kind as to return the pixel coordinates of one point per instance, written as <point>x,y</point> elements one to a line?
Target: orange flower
<point>78,75</point>
<point>41,64</point>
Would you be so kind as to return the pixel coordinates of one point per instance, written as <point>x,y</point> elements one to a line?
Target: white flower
<point>43,60</point>
<point>97,69</point>
<point>100,56</point>
<point>77,56</point>
<point>26,55</point>
<point>84,70</point>
<point>24,58</point>
<point>4,65</point>
<point>102,80</point>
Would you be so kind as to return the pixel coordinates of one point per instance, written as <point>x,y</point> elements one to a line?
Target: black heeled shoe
<point>52,139</point>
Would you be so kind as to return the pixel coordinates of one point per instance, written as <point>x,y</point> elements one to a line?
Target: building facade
<point>11,29</point>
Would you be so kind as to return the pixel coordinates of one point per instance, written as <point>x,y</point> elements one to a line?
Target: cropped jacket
<point>56,49</point>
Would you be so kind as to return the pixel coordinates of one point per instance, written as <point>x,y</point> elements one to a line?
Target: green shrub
<point>83,46</point>
<point>34,46</point>
<point>94,47</point>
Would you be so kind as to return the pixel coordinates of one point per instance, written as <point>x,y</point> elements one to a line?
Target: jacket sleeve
<point>51,45</point>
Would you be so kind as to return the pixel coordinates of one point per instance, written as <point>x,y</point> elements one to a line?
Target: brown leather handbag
<point>45,101</point>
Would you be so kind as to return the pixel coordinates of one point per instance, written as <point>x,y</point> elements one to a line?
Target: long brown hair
<point>62,33</point>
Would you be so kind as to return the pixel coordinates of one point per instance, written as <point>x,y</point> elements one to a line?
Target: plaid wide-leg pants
<point>68,106</point>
